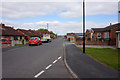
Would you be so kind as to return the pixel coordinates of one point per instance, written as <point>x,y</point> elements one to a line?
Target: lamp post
<point>83,26</point>
<point>47,26</point>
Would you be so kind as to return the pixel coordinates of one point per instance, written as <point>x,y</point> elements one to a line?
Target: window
<point>39,39</point>
<point>20,37</point>
<point>32,38</point>
<point>15,38</point>
<point>106,35</point>
<point>98,35</point>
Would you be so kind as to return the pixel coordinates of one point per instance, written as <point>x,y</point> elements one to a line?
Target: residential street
<point>43,61</point>
<point>46,61</point>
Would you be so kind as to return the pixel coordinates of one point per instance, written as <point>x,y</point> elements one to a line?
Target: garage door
<point>118,40</point>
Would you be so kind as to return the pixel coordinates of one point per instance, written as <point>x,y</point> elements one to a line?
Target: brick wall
<point>93,42</point>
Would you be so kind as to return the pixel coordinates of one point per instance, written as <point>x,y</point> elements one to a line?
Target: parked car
<point>34,41</point>
<point>6,41</point>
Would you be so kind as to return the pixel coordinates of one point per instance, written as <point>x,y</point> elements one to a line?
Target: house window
<point>98,35</point>
<point>20,37</point>
<point>106,35</point>
<point>15,38</point>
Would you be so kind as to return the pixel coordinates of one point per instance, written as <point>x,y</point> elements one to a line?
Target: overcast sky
<point>62,16</point>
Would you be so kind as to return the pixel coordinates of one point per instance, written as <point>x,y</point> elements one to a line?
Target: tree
<point>42,30</point>
<point>52,33</point>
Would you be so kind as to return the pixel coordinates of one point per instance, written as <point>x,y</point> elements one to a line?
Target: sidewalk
<point>84,66</point>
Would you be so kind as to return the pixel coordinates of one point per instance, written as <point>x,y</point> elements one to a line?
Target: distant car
<point>6,41</point>
<point>34,41</point>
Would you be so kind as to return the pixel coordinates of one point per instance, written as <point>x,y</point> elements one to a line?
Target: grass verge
<point>105,55</point>
<point>18,44</point>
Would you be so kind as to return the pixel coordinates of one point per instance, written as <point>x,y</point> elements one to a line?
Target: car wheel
<point>41,43</point>
<point>37,44</point>
<point>29,44</point>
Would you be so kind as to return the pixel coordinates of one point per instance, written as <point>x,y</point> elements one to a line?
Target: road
<point>43,61</point>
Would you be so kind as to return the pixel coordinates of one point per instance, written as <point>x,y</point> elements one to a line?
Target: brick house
<point>29,33</point>
<point>9,32</point>
<point>78,36</point>
<point>107,34</point>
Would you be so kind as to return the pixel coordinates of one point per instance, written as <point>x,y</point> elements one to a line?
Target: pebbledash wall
<point>14,42</point>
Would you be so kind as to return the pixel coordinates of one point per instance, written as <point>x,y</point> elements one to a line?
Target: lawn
<point>105,55</point>
<point>18,44</point>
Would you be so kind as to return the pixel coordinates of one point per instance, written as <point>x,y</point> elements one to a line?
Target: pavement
<point>43,61</point>
<point>86,67</point>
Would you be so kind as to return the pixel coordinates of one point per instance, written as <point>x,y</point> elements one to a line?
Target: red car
<point>35,41</point>
<point>6,41</point>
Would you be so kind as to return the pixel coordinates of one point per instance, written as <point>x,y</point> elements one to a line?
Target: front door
<point>118,40</point>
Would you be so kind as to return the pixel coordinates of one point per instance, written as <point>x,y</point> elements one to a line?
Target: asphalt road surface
<point>86,67</point>
<point>43,61</point>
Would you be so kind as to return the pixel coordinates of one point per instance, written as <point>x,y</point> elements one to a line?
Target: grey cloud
<point>17,10</point>
<point>56,26</point>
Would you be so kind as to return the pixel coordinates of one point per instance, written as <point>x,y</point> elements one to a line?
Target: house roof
<point>9,31</point>
<point>35,33</point>
<point>98,29</point>
<point>44,32</point>
<point>114,26</point>
<point>29,32</point>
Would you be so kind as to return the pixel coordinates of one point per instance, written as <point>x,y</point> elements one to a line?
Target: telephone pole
<point>47,26</point>
<point>83,26</point>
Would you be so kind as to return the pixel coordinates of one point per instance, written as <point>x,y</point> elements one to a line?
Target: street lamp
<point>47,26</point>
<point>83,26</point>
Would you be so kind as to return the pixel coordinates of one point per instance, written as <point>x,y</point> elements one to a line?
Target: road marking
<point>48,66</point>
<point>39,73</point>
<point>55,61</point>
<point>59,57</point>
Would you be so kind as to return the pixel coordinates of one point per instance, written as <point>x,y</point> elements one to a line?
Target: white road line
<point>55,61</point>
<point>59,57</point>
<point>48,66</point>
<point>39,73</point>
